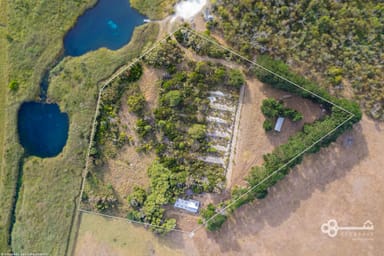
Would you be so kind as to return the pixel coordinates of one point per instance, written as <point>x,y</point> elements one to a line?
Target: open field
<point>103,236</point>
<point>340,182</point>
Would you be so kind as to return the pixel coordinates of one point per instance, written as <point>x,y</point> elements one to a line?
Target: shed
<point>207,15</point>
<point>188,205</point>
<point>279,123</point>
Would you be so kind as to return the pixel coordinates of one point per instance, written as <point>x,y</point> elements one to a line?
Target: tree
<point>134,73</point>
<point>271,108</point>
<point>14,86</point>
<point>173,98</point>
<point>137,198</point>
<point>236,78</point>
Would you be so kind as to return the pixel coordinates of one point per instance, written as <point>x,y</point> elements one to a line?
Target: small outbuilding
<point>279,123</point>
<point>188,205</point>
<point>207,15</point>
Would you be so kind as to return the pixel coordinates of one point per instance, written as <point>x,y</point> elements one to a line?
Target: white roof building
<point>188,205</point>
<point>279,123</point>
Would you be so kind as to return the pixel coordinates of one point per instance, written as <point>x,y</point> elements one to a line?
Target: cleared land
<point>340,182</point>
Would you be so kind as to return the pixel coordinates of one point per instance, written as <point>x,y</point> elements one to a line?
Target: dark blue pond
<point>109,24</point>
<point>42,128</point>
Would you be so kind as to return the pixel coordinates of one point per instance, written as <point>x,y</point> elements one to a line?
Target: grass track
<point>3,102</point>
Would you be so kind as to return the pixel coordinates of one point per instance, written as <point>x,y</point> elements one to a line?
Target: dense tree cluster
<point>272,109</point>
<point>337,43</point>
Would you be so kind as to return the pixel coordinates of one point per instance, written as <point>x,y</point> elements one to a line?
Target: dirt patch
<point>253,142</point>
<point>149,85</point>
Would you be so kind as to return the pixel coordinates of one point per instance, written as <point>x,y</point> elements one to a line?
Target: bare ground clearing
<point>252,141</point>
<point>149,85</point>
<point>341,182</point>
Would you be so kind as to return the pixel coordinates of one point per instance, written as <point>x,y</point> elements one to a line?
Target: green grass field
<point>3,74</point>
<point>46,201</point>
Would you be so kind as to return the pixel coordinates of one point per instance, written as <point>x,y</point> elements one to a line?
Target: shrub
<point>197,131</point>
<point>216,222</point>
<point>133,74</point>
<point>172,98</point>
<point>14,86</point>
<point>267,125</point>
<point>143,128</point>
<point>236,78</point>
<point>136,103</point>
<point>137,198</point>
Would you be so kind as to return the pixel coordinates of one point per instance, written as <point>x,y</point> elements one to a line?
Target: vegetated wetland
<point>47,198</point>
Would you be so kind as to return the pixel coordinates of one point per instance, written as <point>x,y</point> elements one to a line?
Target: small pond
<point>42,128</point>
<point>110,24</point>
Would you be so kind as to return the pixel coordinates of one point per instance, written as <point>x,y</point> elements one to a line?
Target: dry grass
<point>103,236</point>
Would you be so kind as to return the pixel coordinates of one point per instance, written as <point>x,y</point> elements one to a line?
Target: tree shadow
<point>315,173</point>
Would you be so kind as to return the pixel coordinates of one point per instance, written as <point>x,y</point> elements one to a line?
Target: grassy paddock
<point>50,186</point>
<point>122,238</point>
<point>154,9</point>
<point>34,35</point>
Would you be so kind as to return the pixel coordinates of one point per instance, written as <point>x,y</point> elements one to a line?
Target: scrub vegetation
<point>336,43</point>
<point>50,186</point>
<point>154,9</point>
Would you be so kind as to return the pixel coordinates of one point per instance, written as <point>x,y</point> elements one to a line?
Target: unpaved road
<point>341,182</point>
